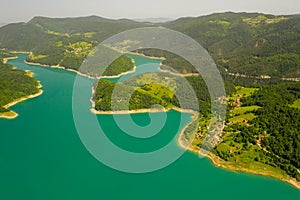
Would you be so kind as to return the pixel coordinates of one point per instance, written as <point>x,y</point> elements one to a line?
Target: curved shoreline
<point>58,67</point>
<point>112,76</point>
<point>146,110</point>
<point>177,74</point>
<point>80,73</point>
<point>218,162</point>
<point>122,74</point>
<point>9,58</point>
<point>152,57</point>
<point>11,114</point>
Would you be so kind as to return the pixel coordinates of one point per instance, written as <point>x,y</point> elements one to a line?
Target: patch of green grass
<point>224,147</point>
<point>241,118</point>
<point>147,96</point>
<point>263,19</point>
<point>157,90</point>
<point>243,92</point>
<point>150,78</point>
<point>296,104</point>
<point>243,110</point>
<point>37,57</point>
<point>246,159</point>
<point>224,23</point>
<point>55,33</point>
<point>59,44</point>
<point>89,34</point>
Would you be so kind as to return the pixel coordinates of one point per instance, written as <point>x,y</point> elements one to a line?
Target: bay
<point>42,156</point>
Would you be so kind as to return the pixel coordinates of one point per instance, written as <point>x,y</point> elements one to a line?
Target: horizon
<point>133,9</point>
<point>165,19</point>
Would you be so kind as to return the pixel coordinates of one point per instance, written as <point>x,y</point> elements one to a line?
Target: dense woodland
<point>122,64</point>
<point>253,45</point>
<point>14,84</point>
<point>246,43</point>
<point>6,54</point>
<point>272,137</point>
<point>138,98</point>
<point>279,123</point>
<point>164,89</point>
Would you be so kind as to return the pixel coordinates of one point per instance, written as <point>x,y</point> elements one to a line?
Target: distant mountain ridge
<point>154,20</point>
<point>252,44</point>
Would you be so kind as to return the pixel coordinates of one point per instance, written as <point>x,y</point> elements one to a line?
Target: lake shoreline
<point>5,60</point>
<point>151,57</point>
<point>177,74</point>
<point>146,110</point>
<point>218,162</point>
<point>11,114</point>
<point>112,76</point>
<point>80,73</point>
<point>58,67</point>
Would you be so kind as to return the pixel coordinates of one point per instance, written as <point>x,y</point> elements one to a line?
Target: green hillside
<point>252,44</point>
<point>24,37</point>
<point>14,84</point>
<point>251,49</point>
<point>65,42</point>
<point>142,97</point>
<point>275,129</point>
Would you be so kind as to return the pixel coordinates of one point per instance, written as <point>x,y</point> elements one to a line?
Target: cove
<point>42,157</point>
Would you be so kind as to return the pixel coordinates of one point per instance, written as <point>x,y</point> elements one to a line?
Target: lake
<point>42,156</point>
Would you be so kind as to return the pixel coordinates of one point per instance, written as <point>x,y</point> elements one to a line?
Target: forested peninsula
<point>15,86</point>
<point>257,55</point>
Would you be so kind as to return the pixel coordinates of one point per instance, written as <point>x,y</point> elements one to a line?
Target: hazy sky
<point>16,10</point>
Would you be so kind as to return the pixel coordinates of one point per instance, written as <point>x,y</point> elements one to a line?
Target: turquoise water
<point>42,157</point>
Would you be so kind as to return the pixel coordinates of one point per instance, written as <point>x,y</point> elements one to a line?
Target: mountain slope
<point>24,37</point>
<point>252,44</point>
<point>64,42</point>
